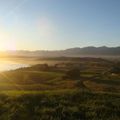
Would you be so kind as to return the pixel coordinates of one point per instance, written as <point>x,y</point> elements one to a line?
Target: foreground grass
<point>16,93</point>
<point>60,105</point>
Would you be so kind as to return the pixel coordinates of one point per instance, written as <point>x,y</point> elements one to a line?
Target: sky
<point>58,24</point>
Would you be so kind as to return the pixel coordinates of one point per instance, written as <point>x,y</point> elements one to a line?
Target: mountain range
<point>71,52</point>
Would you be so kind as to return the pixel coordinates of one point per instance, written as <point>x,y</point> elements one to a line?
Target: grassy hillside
<point>67,105</point>
<point>53,92</point>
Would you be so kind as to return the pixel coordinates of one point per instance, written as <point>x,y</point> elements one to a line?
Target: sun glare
<point>7,46</point>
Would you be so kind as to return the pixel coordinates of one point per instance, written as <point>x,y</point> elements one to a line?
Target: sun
<point>7,40</point>
<point>5,45</point>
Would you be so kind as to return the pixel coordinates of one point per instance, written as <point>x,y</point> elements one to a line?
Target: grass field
<point>48,92</point>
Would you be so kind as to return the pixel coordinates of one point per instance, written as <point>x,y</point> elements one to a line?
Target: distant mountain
<point>86,51</point>
<point>95,50</point>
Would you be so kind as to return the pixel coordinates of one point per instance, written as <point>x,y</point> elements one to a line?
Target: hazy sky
<point>58,24</point>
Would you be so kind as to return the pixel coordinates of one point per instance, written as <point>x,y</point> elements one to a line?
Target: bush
<point>116,69</point>
<point>73,73</point>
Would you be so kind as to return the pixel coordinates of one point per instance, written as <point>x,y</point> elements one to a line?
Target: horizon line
<point>58,49</point>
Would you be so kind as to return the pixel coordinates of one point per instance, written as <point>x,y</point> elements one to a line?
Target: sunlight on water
<point>10,65</point>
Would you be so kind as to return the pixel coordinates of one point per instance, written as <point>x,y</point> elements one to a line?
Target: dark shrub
<point>73,73</point>
<point>116,69</point>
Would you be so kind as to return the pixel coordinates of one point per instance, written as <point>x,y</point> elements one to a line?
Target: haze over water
<point>6,65</point>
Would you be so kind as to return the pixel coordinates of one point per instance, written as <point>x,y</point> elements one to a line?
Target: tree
<point>115,70</point>
<point>73,73</point>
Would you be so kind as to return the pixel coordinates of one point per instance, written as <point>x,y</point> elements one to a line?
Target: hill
<point>49,92</point>
<point>71,52</point>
